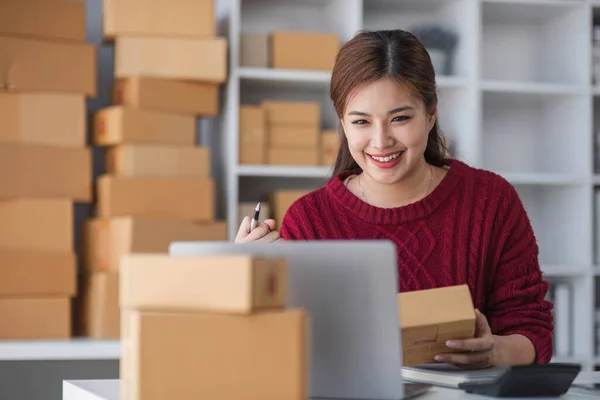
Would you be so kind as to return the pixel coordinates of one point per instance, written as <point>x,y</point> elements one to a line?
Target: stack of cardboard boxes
<point>285,133</point>
<point>46,71</point>
<point>226,333</point>
<point>156,187</point>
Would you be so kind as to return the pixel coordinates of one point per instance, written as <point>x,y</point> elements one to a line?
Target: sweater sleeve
<point>516,303</point>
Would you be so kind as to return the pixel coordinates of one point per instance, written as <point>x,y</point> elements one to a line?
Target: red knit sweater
<point>472,228</point>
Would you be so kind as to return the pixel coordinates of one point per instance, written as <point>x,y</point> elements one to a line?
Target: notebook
<point>447,375</point>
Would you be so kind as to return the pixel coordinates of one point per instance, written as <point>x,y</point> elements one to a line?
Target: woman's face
<point>387,129</point>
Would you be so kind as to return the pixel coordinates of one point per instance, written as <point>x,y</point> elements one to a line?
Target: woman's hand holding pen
<point>263,232</point>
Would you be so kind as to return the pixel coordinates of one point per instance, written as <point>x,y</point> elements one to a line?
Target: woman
<point>452,224</point>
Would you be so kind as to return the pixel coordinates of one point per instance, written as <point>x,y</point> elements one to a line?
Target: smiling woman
<point>451,223</point>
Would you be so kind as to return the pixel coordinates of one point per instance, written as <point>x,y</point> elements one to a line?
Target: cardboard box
<point>176,18</point>
<point>37,224</point>
<point>41,19</point>
<point>35,318</point>
<point>294,137</point>
<point>120,125</point>
<point>330,145</point>
<point>180,198</point>
<point>34,273</point>
<point>168,95</point>
<point>281,200</point>
<point>428,318</point>
<point>304,113</point>
<point>186,59</point>
<point>252,124</point>
<point>252,135</point>
<point>292,156</point>
<point>233,284</point>
<point>148,160</point>
<point>254,50</point>
<point>252,154</point>
<point>55,119</point>
<point>67,67</point>
<point>106,240</point>
<point>260,356</point>
<point>304,50</point>
<point>45,171</point>
<point>100,316</point>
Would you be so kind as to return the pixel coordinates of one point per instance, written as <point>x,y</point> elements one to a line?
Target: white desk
<point>110,390</point>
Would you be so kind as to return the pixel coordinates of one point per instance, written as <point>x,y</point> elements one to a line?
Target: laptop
<point>350,290</point>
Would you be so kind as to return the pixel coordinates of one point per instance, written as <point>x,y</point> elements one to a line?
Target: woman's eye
<point>400,118</point>
<point>359,122</point>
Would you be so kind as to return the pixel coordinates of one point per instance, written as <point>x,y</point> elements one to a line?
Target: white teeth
<point>388,158</point>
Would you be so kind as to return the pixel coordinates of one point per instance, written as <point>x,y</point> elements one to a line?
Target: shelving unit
<point>52,350</point>
<point>519,101</point>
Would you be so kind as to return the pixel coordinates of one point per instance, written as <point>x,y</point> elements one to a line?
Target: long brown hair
<point>394,54</point>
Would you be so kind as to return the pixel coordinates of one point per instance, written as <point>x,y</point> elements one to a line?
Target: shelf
<point>527,10</point>
<point>528,133</point>
<point>331,16</point>
<point>317,78</point>
<point>280,75</point>
<point>283,171</point>
<point>534,41</point>
<point>544,179</point>
<point>76,349</point>
<point>533,88</point>
<point>565,270</point>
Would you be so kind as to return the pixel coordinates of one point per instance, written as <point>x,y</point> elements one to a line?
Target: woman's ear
<point>342,125</point>
<point>432,118</point>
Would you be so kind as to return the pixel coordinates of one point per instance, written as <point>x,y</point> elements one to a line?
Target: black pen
<point>254,221</point>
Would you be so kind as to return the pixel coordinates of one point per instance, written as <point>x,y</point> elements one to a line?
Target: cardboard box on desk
<point>177,198</point>
<point>160,57</point>
<point>40,19</point>
<point>37,171</point>
<point>105,240</point>
<point>55,119</point>
<point>121,125</point>
<point>150,160</point>
<point>167,95</point>
<point>173,18</point>
<point>428,318</point>
<point>51,66</point>
<point>232,284</point>
<point>258,356</point>
<point>37,224</point>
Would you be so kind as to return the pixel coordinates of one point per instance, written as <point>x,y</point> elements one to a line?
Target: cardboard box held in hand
<point>428,318</point>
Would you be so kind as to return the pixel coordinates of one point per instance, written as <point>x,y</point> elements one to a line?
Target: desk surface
<point>109,389</point>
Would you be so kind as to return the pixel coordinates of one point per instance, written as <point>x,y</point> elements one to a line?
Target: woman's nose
<point>381,136</point>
